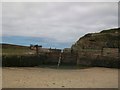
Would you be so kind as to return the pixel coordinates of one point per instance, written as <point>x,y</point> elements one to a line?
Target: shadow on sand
<point>63,67</point>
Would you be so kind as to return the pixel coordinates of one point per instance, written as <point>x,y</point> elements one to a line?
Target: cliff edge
<point>104,39</point>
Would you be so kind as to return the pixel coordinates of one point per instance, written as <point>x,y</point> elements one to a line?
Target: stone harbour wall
<point>106,57</point>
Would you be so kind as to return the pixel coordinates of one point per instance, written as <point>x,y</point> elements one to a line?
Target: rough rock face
<point>104,39</point>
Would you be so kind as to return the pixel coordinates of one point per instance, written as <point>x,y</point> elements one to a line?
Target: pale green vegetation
<point>15,50</point>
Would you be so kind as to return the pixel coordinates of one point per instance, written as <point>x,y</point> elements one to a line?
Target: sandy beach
<point>35,77</point>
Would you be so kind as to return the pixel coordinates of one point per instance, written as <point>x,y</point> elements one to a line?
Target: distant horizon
<point>55,24</point>
<point>48,46</point>
<point>29,45</point>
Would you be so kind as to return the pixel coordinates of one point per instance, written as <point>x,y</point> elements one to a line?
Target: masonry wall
<point>69,58</point>
<point>51,58</point>
<point>107,57</point>
<point>22,61</point>
<point>87,57</point>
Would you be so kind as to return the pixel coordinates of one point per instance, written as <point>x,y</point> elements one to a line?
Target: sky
<point>55,24</point>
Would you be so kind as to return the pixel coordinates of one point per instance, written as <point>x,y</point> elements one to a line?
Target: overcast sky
<point>55,24</point>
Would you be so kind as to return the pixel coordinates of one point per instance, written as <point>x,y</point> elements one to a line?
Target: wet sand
<point>28,77</point>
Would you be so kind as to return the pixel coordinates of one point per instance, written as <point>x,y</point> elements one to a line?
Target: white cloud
<point>60,21</point>
<point>60,0</point>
